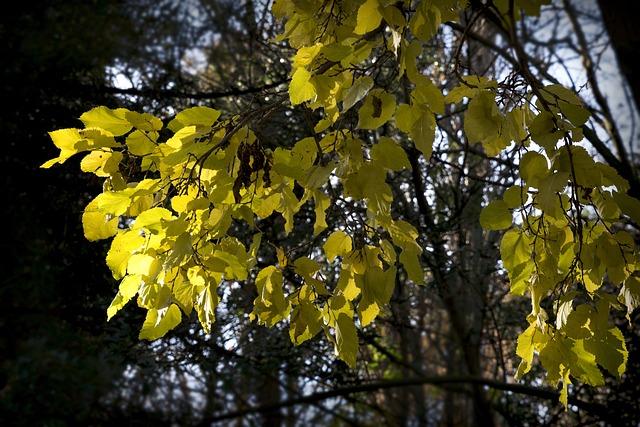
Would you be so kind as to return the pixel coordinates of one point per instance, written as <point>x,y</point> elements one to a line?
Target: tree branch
<point>155,93</point>
<point>547,394</point>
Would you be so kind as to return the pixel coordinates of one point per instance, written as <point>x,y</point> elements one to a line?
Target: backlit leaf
<point>370,117</point>
<point>96,224</point>
<point>346,339</point>
<point>496,216</point>
<point>338,244</point>
<point>300,88</point>
<point>160,321</point>
<point>113,121</point>
<point>369,17</point>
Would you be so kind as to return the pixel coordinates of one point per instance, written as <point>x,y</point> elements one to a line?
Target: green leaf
<point>630,206</point>
<point>346,339</point>
<point>549,189</point>
<point>390,154</point>
<point>515,196</point>
<point>543,130</point>
<point>533,168</point>
<point>482,119</point>
<point>306,322</point>
<point>609,349</point>
<point>356,92</point>
<point>411,264</point>
<point>496,216</point>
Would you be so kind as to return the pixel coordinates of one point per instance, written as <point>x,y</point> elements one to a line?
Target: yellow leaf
<point>305,267</point>
<point>347,285</point>
<point>322,203</point>
<point>199,117</point>
<point>271,293</point>
<point>145,265</point>
<point>141,144</point>
<point>404,235</point>
<point>377,109</point>
<point>101,163</point>
<point>300,88</point>
<point>114,202</point>
<point>127,290</point>
<point>160,321</point>
<point>306,55</point>
<point>306,322</point>
<point>122,247</point>
<point>65,140</point>
<point>143,121</point>
<point>263,207</point>
<point>151,219</point>
<point>338,244</point>
<point>515,196</point>
<point>533,168</point>
<point>630,206</point>
<point>206,303</point>
<point>525,349</point>
<point>411,264</point>
<point>428,94</point>
<point>96,224</point>
<point>368,310</point>
<point>113,121</point>
<point>422,131</point>
<point>369,17</point>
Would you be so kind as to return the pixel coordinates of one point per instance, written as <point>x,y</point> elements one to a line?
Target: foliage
<point>175,193</point>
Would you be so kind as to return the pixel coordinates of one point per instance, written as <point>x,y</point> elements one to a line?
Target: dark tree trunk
<point>621,21</point>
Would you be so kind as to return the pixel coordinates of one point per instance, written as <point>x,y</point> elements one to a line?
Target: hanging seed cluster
<point>253,159</point>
